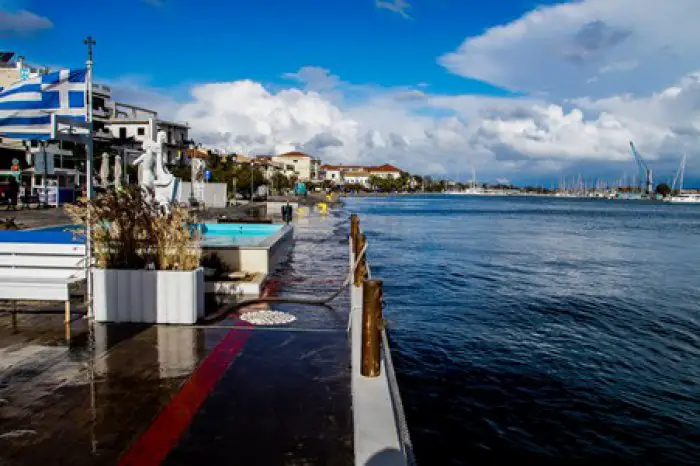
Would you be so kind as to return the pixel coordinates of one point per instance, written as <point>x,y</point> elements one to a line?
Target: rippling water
<point>542,331</point>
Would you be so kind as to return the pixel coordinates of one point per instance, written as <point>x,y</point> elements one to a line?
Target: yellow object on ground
<point>323,207</point>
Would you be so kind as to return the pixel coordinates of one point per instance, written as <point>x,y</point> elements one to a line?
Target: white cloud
<point>628,65</point>
<point>22,22</point>
<point>315,78</point>
<point>593,71</point>
<point>244,116</point>
<point>560,49</point>
<point>442,134</point>
<point>397,6</point>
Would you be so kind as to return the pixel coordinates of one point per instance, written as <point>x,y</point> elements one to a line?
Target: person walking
<point>12,193</point>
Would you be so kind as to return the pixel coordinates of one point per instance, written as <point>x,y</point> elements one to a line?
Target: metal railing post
<point>372,321</point>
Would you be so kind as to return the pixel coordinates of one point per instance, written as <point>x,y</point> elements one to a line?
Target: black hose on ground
<point>233,307</point>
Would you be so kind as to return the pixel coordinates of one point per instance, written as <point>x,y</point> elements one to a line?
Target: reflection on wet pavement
<point>282,397</point>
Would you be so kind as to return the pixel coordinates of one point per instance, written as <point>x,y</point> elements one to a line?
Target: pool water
<point>237,234</point>
<point>214,234</point>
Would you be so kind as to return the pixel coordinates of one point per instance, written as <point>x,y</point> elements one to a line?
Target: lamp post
<point>192,148</point>
<point>90,43</point>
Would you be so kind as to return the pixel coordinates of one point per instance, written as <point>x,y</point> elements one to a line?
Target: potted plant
<point>146,259</point>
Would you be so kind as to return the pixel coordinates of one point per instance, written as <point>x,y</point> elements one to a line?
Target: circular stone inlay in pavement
<point>268,318</point>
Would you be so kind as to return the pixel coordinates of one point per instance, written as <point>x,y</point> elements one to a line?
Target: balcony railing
<point>100,112</point>
<point>101,89</point>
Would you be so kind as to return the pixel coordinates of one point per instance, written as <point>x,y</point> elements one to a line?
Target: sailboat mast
<point>680,187</point>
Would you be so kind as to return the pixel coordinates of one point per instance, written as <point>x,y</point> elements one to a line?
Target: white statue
<point>147,160</point>
<point>163,175</point>
<point>155,177</point>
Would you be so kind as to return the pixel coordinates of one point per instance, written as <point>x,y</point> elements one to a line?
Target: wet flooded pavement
<point>223,393</point>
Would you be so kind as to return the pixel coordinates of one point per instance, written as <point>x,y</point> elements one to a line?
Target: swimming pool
<point>214,234</point>
<point>236,234</point>
<point>251,247</point>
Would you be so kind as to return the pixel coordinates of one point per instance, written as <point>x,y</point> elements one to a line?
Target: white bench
<point>41,272</point>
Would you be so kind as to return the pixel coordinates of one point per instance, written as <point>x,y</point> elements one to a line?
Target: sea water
<point>542,330</point>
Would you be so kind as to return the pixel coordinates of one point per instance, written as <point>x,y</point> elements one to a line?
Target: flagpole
<point>90,42</point>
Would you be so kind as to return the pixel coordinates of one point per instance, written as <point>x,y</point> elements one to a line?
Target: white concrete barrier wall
<point>377,435</point>
<point>215,194</point>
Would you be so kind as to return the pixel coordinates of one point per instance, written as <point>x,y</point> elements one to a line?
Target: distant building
<point>305,167</point>
<point>125,121</point>
<point>360,177</point>
<point>385,171</point>
<point>271,167</point>
<point>13,70</point>
<point>338,174</point>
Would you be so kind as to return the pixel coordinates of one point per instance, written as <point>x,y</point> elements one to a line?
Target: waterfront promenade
<point>220,393</point>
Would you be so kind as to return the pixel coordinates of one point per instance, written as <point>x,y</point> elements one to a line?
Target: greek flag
<point>26,107</point>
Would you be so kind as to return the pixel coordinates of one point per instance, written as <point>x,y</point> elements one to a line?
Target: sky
<point>519,90</point>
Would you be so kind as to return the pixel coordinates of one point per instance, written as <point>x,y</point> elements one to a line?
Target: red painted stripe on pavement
<point>152,447</point>
<point>271,288</point>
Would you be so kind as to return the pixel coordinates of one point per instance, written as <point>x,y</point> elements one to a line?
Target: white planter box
<point>148,296</point>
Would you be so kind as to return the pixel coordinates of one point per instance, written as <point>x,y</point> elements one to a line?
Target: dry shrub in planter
<point>132,231</point>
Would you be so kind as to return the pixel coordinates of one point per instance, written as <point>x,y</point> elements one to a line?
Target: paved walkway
<point>219,394</point>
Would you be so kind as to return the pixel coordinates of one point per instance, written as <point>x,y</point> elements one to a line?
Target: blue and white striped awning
<point>26,107</point>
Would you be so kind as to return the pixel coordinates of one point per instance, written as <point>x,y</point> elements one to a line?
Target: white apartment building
<point>385,171</point>
<point>130,121</point>
<point>270,168</point>
<point>339,173</point>
<point>333,174</point>
<point>336,173</point>
<point>305,167</point>
<point>357,177</point>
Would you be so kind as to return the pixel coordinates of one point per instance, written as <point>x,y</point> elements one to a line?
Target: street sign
<point>44,163</point>
<point>67,129</point>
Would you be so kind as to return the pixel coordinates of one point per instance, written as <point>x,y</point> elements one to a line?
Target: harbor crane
<point>644,171</point>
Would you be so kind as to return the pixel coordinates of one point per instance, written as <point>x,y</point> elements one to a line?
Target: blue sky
<point>520,89</point>
<point>261,40</point>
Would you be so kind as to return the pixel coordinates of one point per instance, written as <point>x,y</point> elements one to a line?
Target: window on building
<point>122,133</point>
<point>295,161</point>
<point>332,175</point>
<point>141,131</point>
